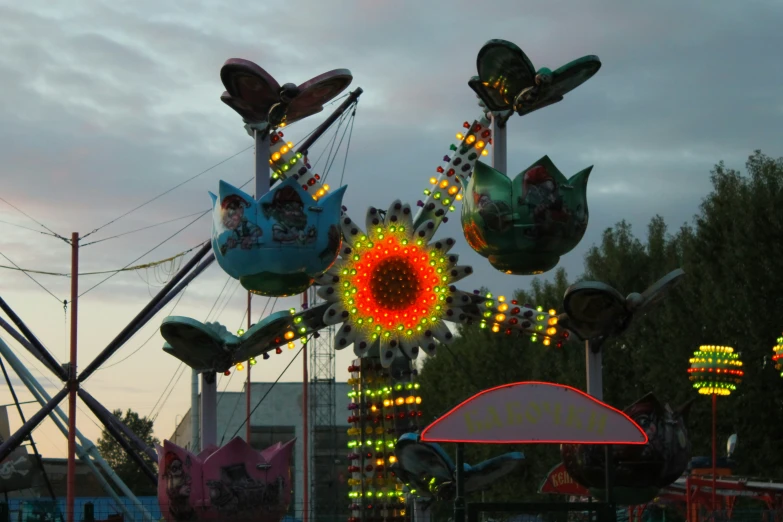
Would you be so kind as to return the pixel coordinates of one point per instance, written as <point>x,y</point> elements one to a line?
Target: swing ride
<point>389,285</point>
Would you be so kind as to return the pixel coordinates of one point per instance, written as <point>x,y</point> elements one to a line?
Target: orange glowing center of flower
<point>395,284</point>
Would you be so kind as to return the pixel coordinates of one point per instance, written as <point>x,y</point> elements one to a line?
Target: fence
<point>98,509</point>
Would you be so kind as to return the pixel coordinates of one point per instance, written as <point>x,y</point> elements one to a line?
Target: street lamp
<point>595,311</point>
<point>715,370</point>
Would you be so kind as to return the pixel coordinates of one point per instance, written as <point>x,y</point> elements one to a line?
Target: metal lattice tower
<point>322,418</point>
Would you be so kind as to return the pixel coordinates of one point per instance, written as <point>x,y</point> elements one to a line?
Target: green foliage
<point>122,464</point>
<point>732,295</point>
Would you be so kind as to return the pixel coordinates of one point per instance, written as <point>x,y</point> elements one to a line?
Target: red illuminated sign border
<point>424,438</point>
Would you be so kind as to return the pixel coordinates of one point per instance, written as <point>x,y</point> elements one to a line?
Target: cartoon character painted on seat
<point>287,209</point>
<point>245,234</point>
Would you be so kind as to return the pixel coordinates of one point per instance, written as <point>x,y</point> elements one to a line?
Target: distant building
<point>279,418</point>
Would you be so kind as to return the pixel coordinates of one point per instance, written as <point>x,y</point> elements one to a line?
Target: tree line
<point>732,295</point>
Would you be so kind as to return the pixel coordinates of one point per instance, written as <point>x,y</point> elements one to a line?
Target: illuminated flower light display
<point>391,286</point>
<point>384,405</point>
<point>715,370</point>
<point>778,357</point>
<point>393,290</point>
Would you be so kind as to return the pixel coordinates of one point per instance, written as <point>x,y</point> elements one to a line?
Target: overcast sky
<point>104,105</point>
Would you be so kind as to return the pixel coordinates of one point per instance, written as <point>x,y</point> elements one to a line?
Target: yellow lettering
<point>473,426</point>
<point>513,415</point>
<point>597,422</point>
<point>533,413</point>
<point>553,411</point>
<point>573,418</point>
<point>494,419</point>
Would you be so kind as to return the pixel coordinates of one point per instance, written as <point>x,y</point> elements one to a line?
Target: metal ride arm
<point>86,449</point>
<point>115,430</point>
<point>143,316</point>
<point>460,164</point>
<point>33,345</point>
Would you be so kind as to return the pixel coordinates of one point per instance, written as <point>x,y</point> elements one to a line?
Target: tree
<point>732,295</point>
<point>121,463</point>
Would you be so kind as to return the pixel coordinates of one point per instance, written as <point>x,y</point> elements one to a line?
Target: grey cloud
<point>113,103</point>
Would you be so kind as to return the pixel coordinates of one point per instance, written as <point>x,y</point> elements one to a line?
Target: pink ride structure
<point>234,482</point>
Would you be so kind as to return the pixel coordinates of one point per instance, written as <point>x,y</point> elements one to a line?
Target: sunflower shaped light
<point>392,286</point>
<point>778,357</point>
<point>715,370</point>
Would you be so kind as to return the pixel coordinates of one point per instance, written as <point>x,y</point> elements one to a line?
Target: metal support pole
<point>608,474</point>
<point>593,363</point>
<point>305,428</point>
<point>459,499</point>
<point>499,151</point>
<point>195,423</point>
<point>208,409</point>
<point>714,446</point>
<point>249,366</point>
<point>73,384</point>
<point>420,514</point>
<point>262,162</point>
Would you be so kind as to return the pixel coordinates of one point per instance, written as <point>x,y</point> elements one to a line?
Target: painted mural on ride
<point>389,284</point>
<point>234,482</point>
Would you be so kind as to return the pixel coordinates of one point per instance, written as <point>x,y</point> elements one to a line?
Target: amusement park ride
<point>388,284</point>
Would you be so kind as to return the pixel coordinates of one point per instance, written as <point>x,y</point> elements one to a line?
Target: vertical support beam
<point>459,499</point>
<point>420,514</point>
<point>714,452</point>
<point>195,423</point>
<point>262,162</point>
<point>305,428</point>
<point>247,384</point>
<point>499,151</point>
<point>208,409</point>
<point>609,475</point>
<point>73,384</point>
<point>594,365</point>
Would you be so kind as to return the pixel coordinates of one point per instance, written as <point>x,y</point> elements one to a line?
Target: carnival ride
<point>390,285</point>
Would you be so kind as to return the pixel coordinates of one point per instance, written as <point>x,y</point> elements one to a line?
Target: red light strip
<point>423,436</point>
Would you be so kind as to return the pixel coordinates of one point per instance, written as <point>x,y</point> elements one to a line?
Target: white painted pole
<point>195,424</point>
<point>208,421</point>
<point>262,162</point>
<point>595,372</point>
<point>419,513</point>
<point>499,150</point>
<point>208,409</point>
